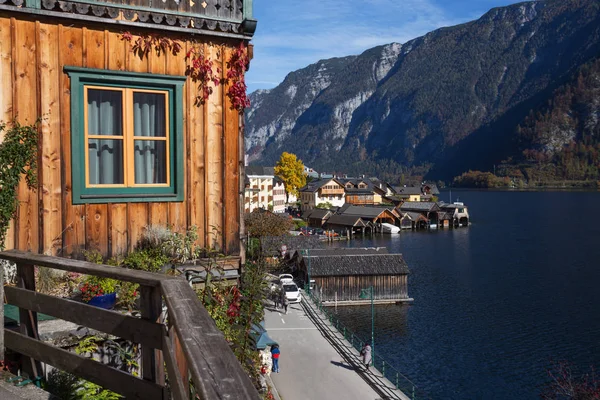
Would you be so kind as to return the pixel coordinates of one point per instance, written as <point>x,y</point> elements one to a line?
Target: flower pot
<point>106,301</point>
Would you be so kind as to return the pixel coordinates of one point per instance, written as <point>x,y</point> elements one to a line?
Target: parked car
<point>284,278</point>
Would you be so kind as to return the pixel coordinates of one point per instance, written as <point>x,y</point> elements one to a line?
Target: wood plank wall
<point>32,57</point>
<point>349,287</point>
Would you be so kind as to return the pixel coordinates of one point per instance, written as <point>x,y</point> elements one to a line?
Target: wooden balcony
<point>228,18</point>
<point>329,192</point>
<point>190,347</point>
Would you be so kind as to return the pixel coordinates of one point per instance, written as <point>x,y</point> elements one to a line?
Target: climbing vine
<point>200,68</point>
<point>18,156</point>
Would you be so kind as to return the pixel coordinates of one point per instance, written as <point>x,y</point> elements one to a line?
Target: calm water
<point>495,302</point>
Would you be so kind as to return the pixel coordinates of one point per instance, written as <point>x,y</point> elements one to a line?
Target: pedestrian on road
<point>276,293</point>
<point>275,355</point>
<point>285,302</point>
<point>366,355</point>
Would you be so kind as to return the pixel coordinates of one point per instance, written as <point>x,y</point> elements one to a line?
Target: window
<point>126,136</point>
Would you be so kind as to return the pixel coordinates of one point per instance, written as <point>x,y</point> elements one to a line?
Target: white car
<point>284,278</point>
<point>291,291</point>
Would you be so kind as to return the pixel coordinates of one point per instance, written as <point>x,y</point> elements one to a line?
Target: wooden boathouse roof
<point>345,220</point>
<point>358,265</point>
<point>365,212</point>
<point>316,213</point>
<point>271,245</point>
<point>346,251</point>
<point>415,216</point>
<point>419,206</point>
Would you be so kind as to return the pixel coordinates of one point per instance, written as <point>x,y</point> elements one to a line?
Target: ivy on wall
<point>18,156</point>
<point>200,68</point>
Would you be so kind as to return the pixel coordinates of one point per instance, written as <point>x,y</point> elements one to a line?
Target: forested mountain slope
<point>441,104</point>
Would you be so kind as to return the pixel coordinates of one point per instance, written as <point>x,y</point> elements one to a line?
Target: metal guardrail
<point>400,381</point>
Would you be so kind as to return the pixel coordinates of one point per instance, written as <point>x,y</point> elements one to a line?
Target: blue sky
<point>292,34</point>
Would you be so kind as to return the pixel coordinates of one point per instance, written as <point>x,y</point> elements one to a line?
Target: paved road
<point>310,368</point>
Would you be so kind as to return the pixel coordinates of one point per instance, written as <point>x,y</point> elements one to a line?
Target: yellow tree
<point>291,172</point>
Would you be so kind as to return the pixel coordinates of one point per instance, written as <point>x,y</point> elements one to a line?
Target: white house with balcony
<point>322,191</point>
<point>258,191</point>
<point>278,195</point>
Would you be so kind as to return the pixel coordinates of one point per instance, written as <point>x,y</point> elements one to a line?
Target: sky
<point>293,34</point>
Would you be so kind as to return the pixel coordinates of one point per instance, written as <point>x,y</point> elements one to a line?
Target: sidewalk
<point>316,364</point>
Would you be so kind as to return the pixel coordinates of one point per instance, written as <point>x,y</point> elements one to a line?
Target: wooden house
<point>342,277</point>
<point>127,140</point>
<point>361,192</point>
<point>319,191</point>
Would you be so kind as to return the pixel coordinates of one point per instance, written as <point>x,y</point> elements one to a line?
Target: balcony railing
<point>232,18</point>
<point>332,191</point>
<point>189,347</point>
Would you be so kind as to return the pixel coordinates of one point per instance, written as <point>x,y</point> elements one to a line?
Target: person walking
<point>366,355</point>
<point>285,302</point>
<point>275,355</point>
<point>276,293</point>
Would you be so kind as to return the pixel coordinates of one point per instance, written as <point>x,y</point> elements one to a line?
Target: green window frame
<point>84,79</point>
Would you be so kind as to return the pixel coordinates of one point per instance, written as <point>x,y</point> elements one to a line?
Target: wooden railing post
<point>152,360</point>
<point>180,360</point>
<point>28,322</point>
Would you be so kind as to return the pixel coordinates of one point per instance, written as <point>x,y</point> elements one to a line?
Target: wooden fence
<point>190,347</point>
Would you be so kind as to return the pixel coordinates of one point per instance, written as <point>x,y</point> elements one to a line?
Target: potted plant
<point>99,292</point>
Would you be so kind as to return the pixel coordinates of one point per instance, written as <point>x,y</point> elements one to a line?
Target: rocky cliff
<point>440,104</point>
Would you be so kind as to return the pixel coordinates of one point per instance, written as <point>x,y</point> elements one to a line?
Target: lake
<point>497,302</point>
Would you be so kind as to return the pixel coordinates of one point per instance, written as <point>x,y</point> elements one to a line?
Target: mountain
<point>441,104</point>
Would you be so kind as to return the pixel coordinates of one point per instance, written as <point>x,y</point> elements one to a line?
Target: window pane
<point>106,162</point>
<point>149,114</point>
<point>150,161</point>
<point>105,109</point>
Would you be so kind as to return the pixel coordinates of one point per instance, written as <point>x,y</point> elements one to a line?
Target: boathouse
<point>374,215</point>
<point>413,220</point>
<point>348,223</point>
<point>316,217</point>
<point>458,213</point>
<point>428,209</point>
<point>342,277</point>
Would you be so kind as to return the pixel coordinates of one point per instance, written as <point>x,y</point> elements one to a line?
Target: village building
<point>348,224</point>
<point>279,198</point>
<point>373,215</point>
<point>384,188</point>
<point>343,279</point>
<point>457,212</point>
<point>427,209</point>
<point>408,193</point>
<point>259,188</point>
<point>413,220</point>
<point>321,191</point>
<point>361,192</point>
<point>316,217</point>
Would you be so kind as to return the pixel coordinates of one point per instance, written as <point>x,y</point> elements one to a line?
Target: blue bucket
<point>106,301</point>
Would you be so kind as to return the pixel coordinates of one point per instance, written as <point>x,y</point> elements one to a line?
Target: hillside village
<point>347,206</point>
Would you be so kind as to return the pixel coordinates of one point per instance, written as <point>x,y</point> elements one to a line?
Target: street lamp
<point>363,295</point>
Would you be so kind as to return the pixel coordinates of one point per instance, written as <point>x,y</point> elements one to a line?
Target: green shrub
<point>148,259</point>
